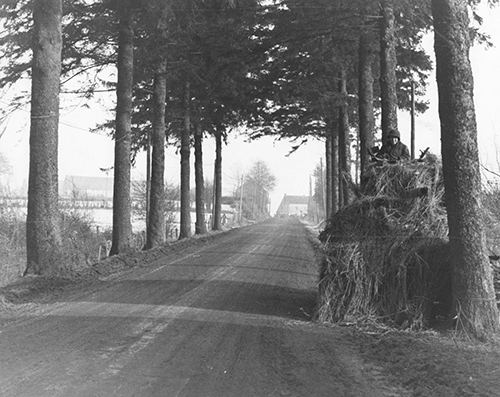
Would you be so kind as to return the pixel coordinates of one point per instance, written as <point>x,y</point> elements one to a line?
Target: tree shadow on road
<point>217,295</point>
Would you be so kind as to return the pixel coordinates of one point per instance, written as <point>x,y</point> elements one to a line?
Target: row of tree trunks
<point>472,278</point>
<point>337,152</point>
<point>122,227</point>
<point>472,281</point>
<point>43,236</point>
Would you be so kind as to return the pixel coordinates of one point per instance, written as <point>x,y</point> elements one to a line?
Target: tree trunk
<point>185,226</point>
<point>328,173</point>
<point>122,228</point>
<point>356,161</point>
<point>323,179</point>
<point>472,283</point>
<point>388,63</point>
<point>148,177</point>
<point>335,165</point>
<point>155,234</point>
<point>43,234</point>
<point>365,102</point>
<point>344,142</point>
<point>412,125</point>
<point>216,219</point>
<point>200,227</point>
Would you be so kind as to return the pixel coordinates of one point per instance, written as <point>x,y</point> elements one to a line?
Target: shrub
<point>12,246</point>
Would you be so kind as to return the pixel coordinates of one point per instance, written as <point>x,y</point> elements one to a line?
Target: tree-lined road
<point>229,318</point>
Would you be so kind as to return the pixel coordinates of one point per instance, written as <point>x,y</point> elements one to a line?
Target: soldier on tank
<point>393,149</point>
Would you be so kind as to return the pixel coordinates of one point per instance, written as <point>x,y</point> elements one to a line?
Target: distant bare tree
<point>262,175</point>
<point>5,167</point>
<point>259,182</point>
<point>168,203</point>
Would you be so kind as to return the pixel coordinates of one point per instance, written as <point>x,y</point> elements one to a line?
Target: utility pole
<point>241,200</point>
<point>310,214</point>
<point>412,138</point>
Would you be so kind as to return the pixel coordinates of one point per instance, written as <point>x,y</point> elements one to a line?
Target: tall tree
<point>344,141</point>
<point>185,224</point>
<point>43,236</point>
<point>155,233</point>
<point>472,283</point>
<point>200,227</point>
<point>319,191</point>
<point>328,175</point>
<point>217,208</point>
<point>334,163</point>
<point>388,63</point>
<point>122,227</point>
<point>365,100</point>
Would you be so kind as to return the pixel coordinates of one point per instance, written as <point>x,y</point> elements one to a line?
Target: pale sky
<point>83,153</point>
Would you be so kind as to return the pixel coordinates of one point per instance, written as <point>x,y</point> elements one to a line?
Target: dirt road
<point>228,318</point>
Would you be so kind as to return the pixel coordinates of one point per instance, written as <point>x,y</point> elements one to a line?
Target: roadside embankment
<point>43,288</point>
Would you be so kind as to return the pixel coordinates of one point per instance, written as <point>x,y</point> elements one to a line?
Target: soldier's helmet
<point>393,134</point>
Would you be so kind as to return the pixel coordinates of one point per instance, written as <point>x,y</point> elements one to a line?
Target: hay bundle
<point>386,252</point>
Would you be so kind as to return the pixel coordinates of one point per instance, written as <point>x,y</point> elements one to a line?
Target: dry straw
<point>386,253</point>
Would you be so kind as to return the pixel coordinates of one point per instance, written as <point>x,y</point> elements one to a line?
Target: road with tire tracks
<point>232,317</point>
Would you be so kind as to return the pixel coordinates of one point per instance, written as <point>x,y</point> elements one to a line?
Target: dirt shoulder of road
<point>432,364</point>
<point>30,290</point>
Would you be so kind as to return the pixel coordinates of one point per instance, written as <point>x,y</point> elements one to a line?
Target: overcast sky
<point>83,153</point>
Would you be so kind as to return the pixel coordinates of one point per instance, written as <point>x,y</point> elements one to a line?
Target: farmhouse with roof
<point>293,205</point>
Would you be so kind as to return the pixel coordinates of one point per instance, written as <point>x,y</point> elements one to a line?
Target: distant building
<point>293,205</point>
<point>87,187</point>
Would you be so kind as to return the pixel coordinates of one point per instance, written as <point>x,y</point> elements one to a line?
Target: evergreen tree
<point>472,283</point>
<point>155,233</point>
<point>43,235</point>
<point>122,227</point>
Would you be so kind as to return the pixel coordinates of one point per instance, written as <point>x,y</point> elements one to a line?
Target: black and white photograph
<point>249,198</point>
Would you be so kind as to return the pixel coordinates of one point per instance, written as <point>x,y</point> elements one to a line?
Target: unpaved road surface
<point>228,318</point>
